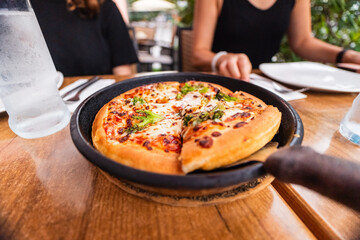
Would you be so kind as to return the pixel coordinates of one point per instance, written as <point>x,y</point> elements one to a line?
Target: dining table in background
<point>48,190</point>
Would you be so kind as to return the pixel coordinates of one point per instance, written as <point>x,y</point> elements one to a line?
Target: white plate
<point>316,76</point>
<point>59,82</point>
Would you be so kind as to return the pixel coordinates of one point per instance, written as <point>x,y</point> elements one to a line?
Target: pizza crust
<point>241,94</point>
<point>232,145</point>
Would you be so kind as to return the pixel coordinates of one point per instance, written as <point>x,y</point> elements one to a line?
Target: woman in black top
<point>85,37</point>
<point>232,36</point>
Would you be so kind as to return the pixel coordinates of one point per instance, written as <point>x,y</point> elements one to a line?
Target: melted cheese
<point>162,100</point>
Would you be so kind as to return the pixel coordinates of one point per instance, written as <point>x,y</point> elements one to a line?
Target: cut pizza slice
<point>141,129</point>
<point>238,125</point>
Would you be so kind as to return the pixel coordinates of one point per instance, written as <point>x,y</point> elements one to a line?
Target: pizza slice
<point>141,129</point>
<point>230,127</point>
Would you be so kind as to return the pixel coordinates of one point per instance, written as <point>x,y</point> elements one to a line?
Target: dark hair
<point>85,8</point>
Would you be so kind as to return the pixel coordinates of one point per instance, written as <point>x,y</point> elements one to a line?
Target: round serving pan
<point>290,133</point>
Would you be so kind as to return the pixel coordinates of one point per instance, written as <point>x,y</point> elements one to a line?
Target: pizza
<point>176,128</point>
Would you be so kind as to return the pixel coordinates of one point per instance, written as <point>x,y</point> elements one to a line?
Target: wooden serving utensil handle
<point>333,177</point>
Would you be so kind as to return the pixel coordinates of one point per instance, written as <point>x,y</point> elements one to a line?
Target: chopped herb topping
<point>133,129</point>
<point>146,118</point>
<point>203,90</point>
<point>219,106</point>
<point>218,114</point>
<point>202,117</point>
<point>139,100</point>
<point>220,95</point>
<point>190,88</point>
<point>186,89</point>
<point>214,114</point>
<point>187,119</point>
<point>179,96</point>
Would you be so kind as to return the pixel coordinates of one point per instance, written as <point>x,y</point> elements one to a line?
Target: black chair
<point>132,34</point>
<point>185,35</point>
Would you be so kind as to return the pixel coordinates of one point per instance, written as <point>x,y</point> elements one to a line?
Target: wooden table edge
<point>316,224</point>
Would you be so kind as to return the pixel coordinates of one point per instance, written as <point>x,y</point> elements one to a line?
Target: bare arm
<point>308,47</point>
<point>122,70</point>
<point>205,18</point>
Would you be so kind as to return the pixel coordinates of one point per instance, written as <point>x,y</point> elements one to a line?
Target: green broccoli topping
<point>219,106</point>
<point>214,114</point>
<point>218,114</point>
<point>189,88</point>
<point>139,100</point>
<point>186,89</point>
<point>203,90</point>
<point>187,119</point>
<point>220,95</point>
<point>148,118</point>
<point>179,96</point>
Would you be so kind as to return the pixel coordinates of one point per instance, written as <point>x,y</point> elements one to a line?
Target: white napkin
<point>87,91</point>
<point>266,83</point>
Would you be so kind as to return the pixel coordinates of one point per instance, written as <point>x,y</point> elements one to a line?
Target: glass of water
<point>27,74</point>
<point>350,125</point>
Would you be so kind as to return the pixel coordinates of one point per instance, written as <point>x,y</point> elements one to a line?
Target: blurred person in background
<point>86,37</point>
<point>233,36</point>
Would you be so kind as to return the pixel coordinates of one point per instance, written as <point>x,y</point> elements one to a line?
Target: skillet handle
<point>333,177</point>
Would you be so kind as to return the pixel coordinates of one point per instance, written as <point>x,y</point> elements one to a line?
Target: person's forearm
<point>205,17</point>
<point>351,56</point>
<point>313,49</point>
<point>122,70</point>
<point>202,59</point>
<point>308,47</point>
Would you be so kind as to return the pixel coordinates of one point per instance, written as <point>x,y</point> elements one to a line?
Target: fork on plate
<point>282,89</point>
<point>279,87</point>
<point>79,89</point>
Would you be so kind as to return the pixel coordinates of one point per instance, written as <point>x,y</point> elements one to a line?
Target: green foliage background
<point>333,21</point>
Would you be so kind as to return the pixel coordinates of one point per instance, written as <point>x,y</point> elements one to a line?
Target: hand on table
<point>351,61</point>
<point>349,66</point>
<point>234,65</point>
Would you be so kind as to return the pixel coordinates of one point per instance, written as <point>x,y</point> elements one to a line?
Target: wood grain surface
<point>48,190</point>
<point>321,114</point>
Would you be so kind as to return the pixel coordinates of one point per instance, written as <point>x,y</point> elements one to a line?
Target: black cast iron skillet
<point>290,133</point>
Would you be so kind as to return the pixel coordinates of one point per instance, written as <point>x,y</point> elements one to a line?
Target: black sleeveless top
<point>243,28</point>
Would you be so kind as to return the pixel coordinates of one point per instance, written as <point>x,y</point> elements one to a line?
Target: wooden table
<point>48,190</point>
